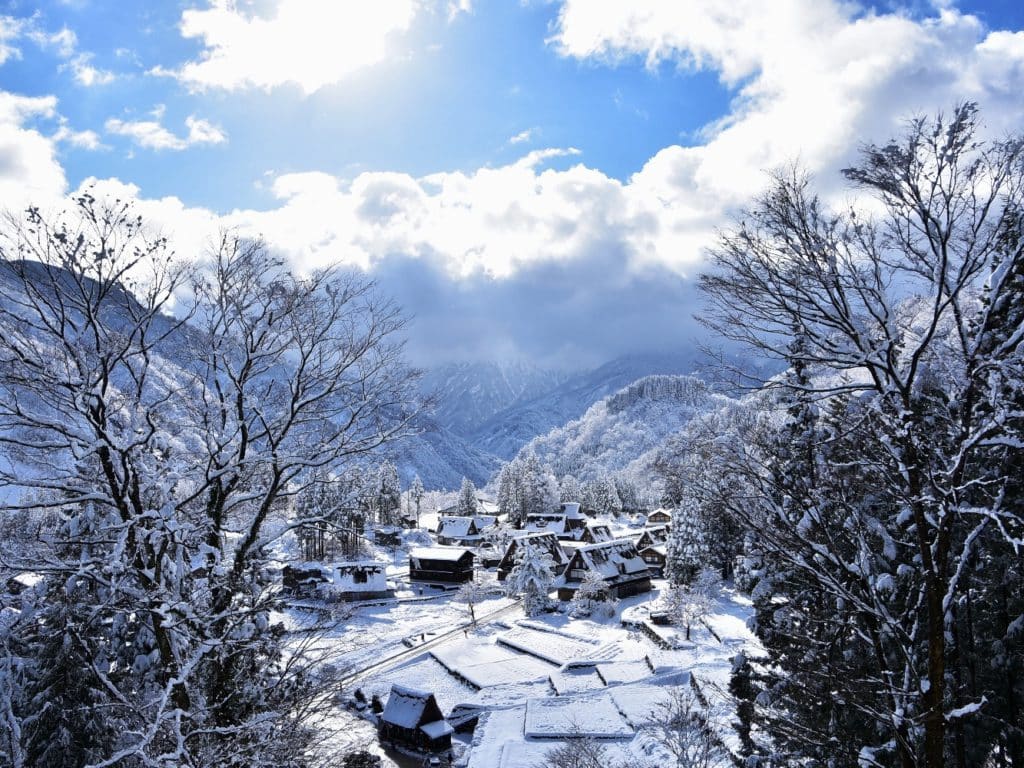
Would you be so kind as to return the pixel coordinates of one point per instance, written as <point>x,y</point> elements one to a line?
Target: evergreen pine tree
<point>509,493</point>
<point>538,489</point>
<point>68,720</point>
<point>467,506</point>
<point>591,597</point>
<point>416,494</point>
<point>531,577</point>
<point>743,691</point>
<point>687,550</point>
<point>569,489</point>
<point>389,494</point>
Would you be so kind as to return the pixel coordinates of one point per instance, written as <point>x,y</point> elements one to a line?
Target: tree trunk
<point>934,720</point>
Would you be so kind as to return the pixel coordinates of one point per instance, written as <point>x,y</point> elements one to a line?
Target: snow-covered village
<point>481,384</point>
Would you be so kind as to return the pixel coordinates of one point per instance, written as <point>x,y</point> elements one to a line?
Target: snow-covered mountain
<point>442,458</point>
<point>507,431</point>
<point>467,394</point>
<point>624,431</point>
<point>485,413</point>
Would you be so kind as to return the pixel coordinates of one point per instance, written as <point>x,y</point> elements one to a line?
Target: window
<point>359,577</point>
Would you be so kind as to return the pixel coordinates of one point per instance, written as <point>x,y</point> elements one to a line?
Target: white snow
<point>437,553</point>
<point>405,706</point>
<point>487,665</point>
<point>592,715</point>
<point>537,681</point>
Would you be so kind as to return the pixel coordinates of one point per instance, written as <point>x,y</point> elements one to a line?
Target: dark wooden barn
<point>412,720</point>
<point>440,565</point>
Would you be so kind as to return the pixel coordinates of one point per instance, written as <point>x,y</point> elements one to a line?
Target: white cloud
<point>493,221</point>
<point>63,41</point>
<point>203,132</point>
<point>151,134</point>
<point>455,7</point>
<point>521,137</point>
<point>537,156</point>
<point>11,29</point>
<point>29,169</point>
<point>311,43</point>
<point>82,139</point>
<point>88,75</point>
<point>811,79</point>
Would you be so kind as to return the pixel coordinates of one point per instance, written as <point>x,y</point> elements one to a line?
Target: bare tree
<point>683,727</point>
<point>689,604</point>
<point>886,322</point>
<point>172,447</point>
<point>471,593</point>
<point>582,752</point>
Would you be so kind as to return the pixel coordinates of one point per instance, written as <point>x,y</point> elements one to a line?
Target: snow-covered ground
<point>539,680</point>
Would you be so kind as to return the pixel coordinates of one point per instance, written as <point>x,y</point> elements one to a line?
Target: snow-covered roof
<point>660,512</point>
<point>362,565</point>
<point>600,533</point>
<point>437,729</point>
<point>549,541</point>
<point>456,527</point>
<point>28,579</point>
<point>572,509</point>
<point>555,524</point>
<point>657,534</point>
<point>485,506</point>
<point>613,560</point>
<point>485,521</point>
<point>372,573</point>
<point>438,553</point>
<point>405,706</point>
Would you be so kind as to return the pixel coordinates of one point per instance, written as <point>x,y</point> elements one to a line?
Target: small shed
<point>387,536</point>
<point>441,565</point>
<point>412,720</point>
<point>303,579</point>
<point>360,580</point>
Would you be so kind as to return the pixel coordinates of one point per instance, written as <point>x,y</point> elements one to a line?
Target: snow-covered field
<point>485,665</point>
<point>538,680</point>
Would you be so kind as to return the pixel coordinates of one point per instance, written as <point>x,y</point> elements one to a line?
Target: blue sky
<point>536,179</point>
<point>452,97</point>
